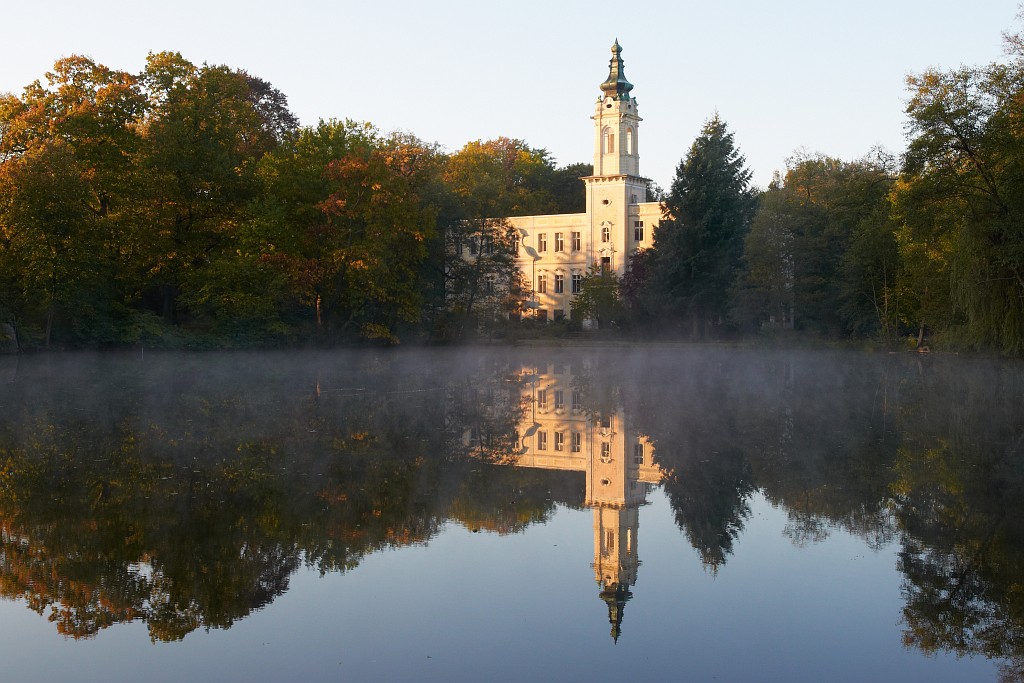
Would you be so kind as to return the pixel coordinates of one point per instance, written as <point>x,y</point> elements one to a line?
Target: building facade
<point>555,252</point>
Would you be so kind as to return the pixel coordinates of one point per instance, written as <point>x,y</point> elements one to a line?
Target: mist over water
<point>508,512</point>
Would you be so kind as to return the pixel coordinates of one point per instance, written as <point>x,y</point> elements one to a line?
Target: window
<point>559,441</point>
<point>542,441</point>
<point>611,142</point>
<point>606,452</point>
<point>632,199</point>
<point>542,283</point>
<point>559,399</point>
<point>489,284</point>
<point>609,538</point>
<point>559,243</point>
<point>638,453</point>
<point>638,231</point>
<point>606,422</point>
<point>606,233</point>
<point>577,402</point>
<point>458,247</point>
<point>559,314</point>
<point>606,264</point>
<point>472,246</point>
<point>542,398</point>
<point>577,442</point>
<point>629,141</point>
<point>542,315</point>
<point>577,242</point>
<point>559,283</point>
<point>577,283</point>
<point>542,242</point>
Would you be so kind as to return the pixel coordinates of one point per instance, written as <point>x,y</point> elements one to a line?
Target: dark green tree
<point>699,245</point>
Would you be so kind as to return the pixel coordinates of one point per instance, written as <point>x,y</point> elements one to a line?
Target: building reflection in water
<point>558,432</point>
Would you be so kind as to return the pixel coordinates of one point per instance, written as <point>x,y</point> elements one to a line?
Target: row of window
<point>542,283</point>
<point>576,243</point>
<point>485,245</point>
<point>576,439</point>
<point>559,397</point>
<point>576,445</point>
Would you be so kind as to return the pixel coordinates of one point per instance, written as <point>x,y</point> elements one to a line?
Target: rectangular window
<point>606,422</point>
<point>577,402</point>
<point>559,441</point>
<point>577,241</point>
<point>542,284</point>
<point>489,284</point>
<point>542,315</point>
<point>472,246</point>
<point>559,314</point>
<point>632,199</point>
<point>606,264</point>
<point>638,231</point>
<point>559,399</point>
<point>577,442</point>
<point>638,453</point>
<point>542,241</point>
<point>559,242</point>
<point>458,247</point>
<point>606,234</point>
<point>542,398</point>
<point>542,441</point>
<point>559,283</point>
<point>577,283</point>
<point>606,451</point>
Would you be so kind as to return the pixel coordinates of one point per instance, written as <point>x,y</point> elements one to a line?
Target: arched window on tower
<point>629,141</point>
<point>609,141</point>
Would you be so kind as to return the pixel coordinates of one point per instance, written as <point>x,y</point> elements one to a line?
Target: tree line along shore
<point>184,206</point>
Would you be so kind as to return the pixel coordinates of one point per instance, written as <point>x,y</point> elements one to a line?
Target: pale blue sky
<point>787,75</point>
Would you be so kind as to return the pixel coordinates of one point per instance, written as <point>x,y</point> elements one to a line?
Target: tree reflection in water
<point>185,491</point>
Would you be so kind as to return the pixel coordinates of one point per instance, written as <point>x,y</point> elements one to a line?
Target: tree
<point>598,298</point>
<point>764,293</point>
<point>821,254</point>
<point>698,246</point>
<point>489,181</point>
<point>46,234</point>
<point>567,189</point>
<point>344,220</point>
<point>86,118</point>
<point>964,165</point>
<point>205,133</point>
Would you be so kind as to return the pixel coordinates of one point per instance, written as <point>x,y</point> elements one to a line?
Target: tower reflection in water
<point>558,432</point>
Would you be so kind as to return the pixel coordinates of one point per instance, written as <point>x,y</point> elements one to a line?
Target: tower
<point>616,186</point>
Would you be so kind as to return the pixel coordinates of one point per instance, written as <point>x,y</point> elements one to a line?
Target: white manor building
<point>556,251</point>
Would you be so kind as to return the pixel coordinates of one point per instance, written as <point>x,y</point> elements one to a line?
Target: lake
<point>570,513</point>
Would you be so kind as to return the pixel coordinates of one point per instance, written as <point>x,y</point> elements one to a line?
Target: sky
<point>788,77</point>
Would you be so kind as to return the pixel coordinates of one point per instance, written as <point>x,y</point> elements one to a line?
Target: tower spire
<point>616,86</point>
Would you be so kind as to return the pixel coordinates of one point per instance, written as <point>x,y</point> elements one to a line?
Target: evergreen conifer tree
<point>698,247</point>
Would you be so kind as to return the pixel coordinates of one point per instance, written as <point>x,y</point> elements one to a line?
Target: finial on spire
<point>616,85</point>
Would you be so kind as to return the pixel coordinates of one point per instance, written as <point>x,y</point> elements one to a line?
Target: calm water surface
<point>509,514</point>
